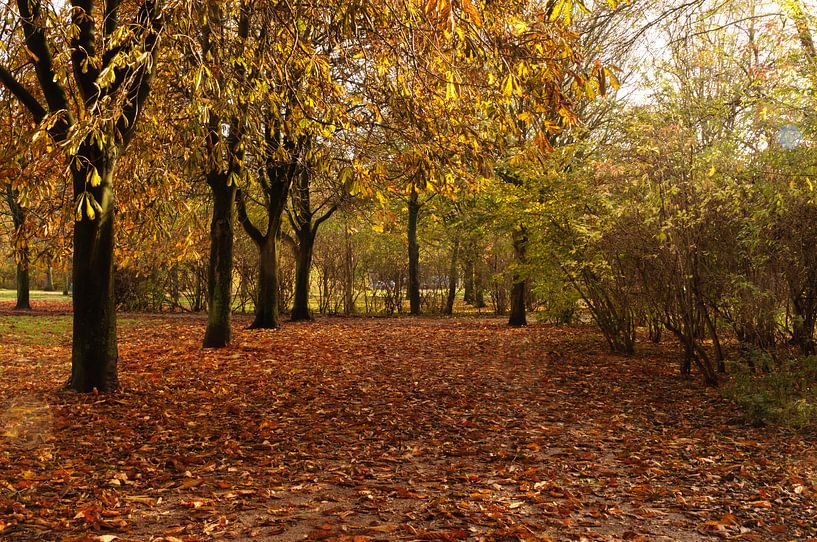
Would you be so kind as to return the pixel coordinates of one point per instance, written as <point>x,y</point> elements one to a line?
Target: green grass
<point>35,295</point>
<point>44,330</point>
<point>36,330</point>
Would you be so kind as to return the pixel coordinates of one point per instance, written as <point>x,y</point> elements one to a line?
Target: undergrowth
<point>782,393</point>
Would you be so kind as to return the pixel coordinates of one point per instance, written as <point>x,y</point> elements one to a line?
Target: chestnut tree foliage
<point>387,156</point>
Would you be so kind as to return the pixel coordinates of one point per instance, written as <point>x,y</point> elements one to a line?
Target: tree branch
<point>23,95</point>
<point>324,218</point>
<point>83,50</point>
<point>149,16</point>
<point>245,221</point>
<point>54,93</point>
<point>111,20</point>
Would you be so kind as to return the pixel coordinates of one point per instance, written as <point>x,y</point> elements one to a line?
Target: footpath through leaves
<point>385,429</point>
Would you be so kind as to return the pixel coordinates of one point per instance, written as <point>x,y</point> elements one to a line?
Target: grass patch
<point>785,395</point>
<point>44,330</point>
<point>34,295</point>
<point>37,330</point>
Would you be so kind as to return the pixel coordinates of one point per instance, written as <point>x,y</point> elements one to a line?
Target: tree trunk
<point>468,278</point>
<point>303,264</point>
<point>49,278</point>
<point>266,304</point>
<point>23,286</point>
<point>95,355</point>
<point>804,323</point>
<point>517,317</point>
<point>413,254</point>
<point>18,218</point>
<point>452,279</point>
<point>349,276</point>
<point>220,270</point>
<point>479,284</point>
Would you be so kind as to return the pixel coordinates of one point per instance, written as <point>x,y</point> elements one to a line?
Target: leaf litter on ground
<point>387,429</point>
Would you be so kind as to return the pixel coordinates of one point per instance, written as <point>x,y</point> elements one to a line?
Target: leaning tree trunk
<point>220,270</point>
<point>303,263</point>
<point>517,317</point>
<point>452,279</point>
<point>95,355</point>
<point>413,254</point>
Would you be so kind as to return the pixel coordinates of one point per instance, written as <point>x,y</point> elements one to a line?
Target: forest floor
<point>383,429</point>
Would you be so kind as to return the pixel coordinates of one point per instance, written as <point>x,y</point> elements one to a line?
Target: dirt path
<point>388,429</point>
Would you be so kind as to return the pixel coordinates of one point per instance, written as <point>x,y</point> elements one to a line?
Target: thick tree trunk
<point>266,304</point>
<point>413,254</point>
<point>303,264</point>
<point>95,355</point>
<point>220,270</point>
<point>517,317</point>
<point>452,279</point>
<point>23,284</point>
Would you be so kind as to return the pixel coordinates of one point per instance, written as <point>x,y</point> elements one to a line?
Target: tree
<point>92,95</point>
<point>306,217</point>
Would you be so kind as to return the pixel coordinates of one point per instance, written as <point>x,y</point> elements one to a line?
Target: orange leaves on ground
<point>388,429</point>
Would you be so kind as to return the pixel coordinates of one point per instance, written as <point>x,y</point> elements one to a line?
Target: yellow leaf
<point>78,212</point>
<point>450,91</point>
<point>93,177</point>
<point>89,209</point>
<point>711,171</point>
<point>508,85</point>
<point>562,8</point>
<point>612,79</point>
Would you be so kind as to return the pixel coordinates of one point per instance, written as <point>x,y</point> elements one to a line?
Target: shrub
<point>785,394</point>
